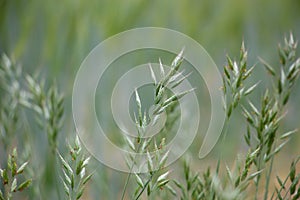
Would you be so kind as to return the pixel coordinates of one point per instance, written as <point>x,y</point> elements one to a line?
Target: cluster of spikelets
<point>22,93</point>
<point>156,153</point>
<point>11,176</point>
<point>74,173</point>
<point>261,136</point>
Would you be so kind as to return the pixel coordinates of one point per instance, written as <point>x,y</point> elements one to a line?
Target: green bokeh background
<point>53,37</point>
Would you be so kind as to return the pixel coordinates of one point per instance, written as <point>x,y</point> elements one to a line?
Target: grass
<point>25,97</point>
<point>74,173</point>
<point>11,176</point>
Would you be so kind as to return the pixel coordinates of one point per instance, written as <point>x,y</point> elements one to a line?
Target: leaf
<point>87,178</point>
<point>14,154</point>
<point>243,52</point>
<point>162,71</point>
<point>24,185</point>
<point>229,111</point>
<point>279,87</point>
<point>82,173</point>
<point>267,158</point>
<point>77,143</point>
<point>230,63</point>
<point>255,110</point>
<point>65,164</point>
<point>294,185</point>
<point>248,116</point>
<point>163,177</point>
<point>297,195</point>
<point>137,99</point>
<point>146,143</point>
<point>79,194</point>
<point>66,188</point>
<point>160,91</point>
<point>86,161</point>
<point>267,66</point>
<point>139,105</point>
<point>174,67</point>
<point>150,162</point>
<point>173,192</point>
<point>292,171</point>
<point>226,72</point>
<point>72,181</point>
<point>21,169</point>
<point>186,169</point>
<point>178,82</point>
<point>175,77</point>
<point>286,98</point>
<point>177,97</point>
<point>1,196</point>
<point>67,178</point>
<point>13,185</point>
<point>229,173</point>
<point>282,77</point>
<point>278,194</point>
<point>159,110</point>
<point>4,176</point>
<point>291,70</point>
<point>131,145</point>
<point>152,74</point>
<point>9,162</point>
<point>30,81</point>
<point>148,189</point>
<point>248,72</point>
<point>235,68</point>
<point>255,174</point>
<point>163,159</point>
<point>178,59</point>
<point>137,191</point>
<point>79,167</point>
<point>254,153</point>
<point>280,182</point>
<point>250,90</point>
<point>288,134</point>
<point>139,180</point>
<point>162,183</point>
<point>280,146</point>
<point>6,61</point>
<point>178,184</point>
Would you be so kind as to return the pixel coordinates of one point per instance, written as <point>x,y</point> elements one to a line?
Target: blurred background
<point>53,37</point>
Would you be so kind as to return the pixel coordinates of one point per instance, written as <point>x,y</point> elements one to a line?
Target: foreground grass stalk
<point>265,123</point>
<point>163,102</point>
<point>289,73</point>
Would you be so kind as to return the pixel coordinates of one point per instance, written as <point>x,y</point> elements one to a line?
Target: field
<point>149,99</point>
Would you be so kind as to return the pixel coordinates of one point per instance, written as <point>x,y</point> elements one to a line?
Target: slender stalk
<point>287,192</point>
<point>57,184</point>
<point>268,177</point>
<point>126,183</point>
<point>7,190</point>
<point>129,174</point>
<point>257,179</point>
<point>285,180</point>
<point>281,188</point>
<point>145,186</point>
